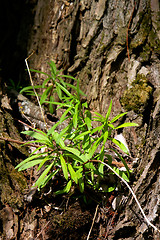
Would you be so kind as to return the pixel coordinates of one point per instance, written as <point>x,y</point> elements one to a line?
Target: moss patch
<point>137,97</point>
<point>12,183</point>
<point>146,36</point>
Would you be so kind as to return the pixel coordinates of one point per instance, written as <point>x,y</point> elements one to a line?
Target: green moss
<point>146,34</point>
<point>145,54</point>
<point>143,32</point>
<point>136,98</point>
<point>12,184</point>
<point>154,41</point>
<point>141,171</point>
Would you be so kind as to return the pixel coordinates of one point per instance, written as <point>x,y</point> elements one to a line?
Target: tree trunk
<point>113,47</point>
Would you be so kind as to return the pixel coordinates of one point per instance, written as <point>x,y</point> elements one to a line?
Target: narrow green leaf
<point>118,116</point>
<point>47,158</point>
<point>45,172</point>
<point>53,67</point>
<point>94,147</point>
<point>87,142</point>
<point>109,111</point>
<point>45,94</point>
<point>105,137</point>
<point>80,136</point>
<point>47,178</point>
<point>120,145</point>
<point>66,189</point>
<point>37,71</point>
<point>63,118</point>
<point>72,173</point>
<point>81,184</point>
<point>79,157</point>
<point>63,89</point>
<point>111,125</point>
<point>29,164</point>
<point>26,89</point>
<point>75,116</point>
<point>88,119</point>
<point>45,82</point>
<point>97,129</point>
<point>36,135</point>
<point>123,161</point>
<point>59,91</point>
<point>121,173</point>
<point>36,156</point>
<point>111,189</point>
<point>100,117</point>
<point>64,167</point>
<point>90,166</point>
<point>51,108</point>
<point>128,124</point>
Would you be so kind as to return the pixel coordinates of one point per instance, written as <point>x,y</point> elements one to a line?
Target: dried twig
<point>19,142</point>
<point>41,232</point>
<point>95,214</point>
<point>134,196</point>
<point>34,88</point>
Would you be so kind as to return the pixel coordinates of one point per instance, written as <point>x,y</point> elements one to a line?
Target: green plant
<point>13,85</point>
<point>77,151</point>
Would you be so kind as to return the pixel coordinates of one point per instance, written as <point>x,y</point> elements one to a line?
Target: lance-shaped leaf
<point>128,124</point>
<point>45,172</point>
<point>64,167</point>
<point>36,156</point>
<point>36,135</point>
<point>72,173</point>
<point>79,156</point>
<point>45,94</point>
<point>120,145</point>
<point>75,116</point>
<point>109,111</point>
<point>29,164</point>
<point>66,189</point>
<point>117,117</point>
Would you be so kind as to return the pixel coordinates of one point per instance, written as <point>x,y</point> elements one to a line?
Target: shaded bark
<point>93,41</point>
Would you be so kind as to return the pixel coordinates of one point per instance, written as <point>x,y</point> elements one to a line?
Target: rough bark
<point>113,48</point>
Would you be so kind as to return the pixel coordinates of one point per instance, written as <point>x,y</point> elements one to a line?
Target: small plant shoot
<point>72,152</point>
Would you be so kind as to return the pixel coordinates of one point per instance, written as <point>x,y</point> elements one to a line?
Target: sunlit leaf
<point>66,189</point>
<point>36,135</point>
<point>121,173</point>
<point>37,71</point>
<point>100,117</point>
<point>51,108</point>
<point>109,111</point>
<point>120,145</point>
<point>72,173</point>
<point>63,89</point>
<point>26,89</point>
<point>29,164</point>
<point>45,94</point>
<point>75,116</point>
<point>36,156</point>
<point>118,116</point>
<point>64,167</point>
<point>94,147</point>
<point>45,172</point>
<point>47,178</point>
<point>128,124</point>
<point>80,136</point>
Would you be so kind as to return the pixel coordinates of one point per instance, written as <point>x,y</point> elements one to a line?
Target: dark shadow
<point>16,20</point>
